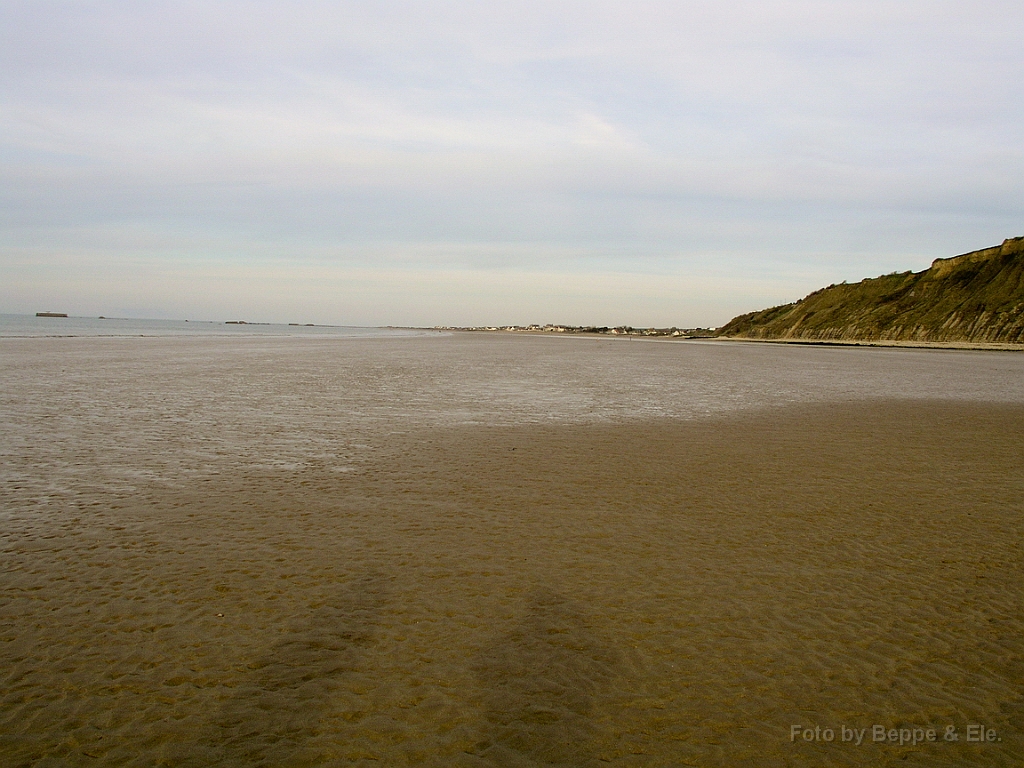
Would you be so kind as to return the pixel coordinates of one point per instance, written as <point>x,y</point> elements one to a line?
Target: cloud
<point>628,138</point>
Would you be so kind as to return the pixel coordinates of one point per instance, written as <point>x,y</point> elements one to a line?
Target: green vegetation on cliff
<point>976,297</point>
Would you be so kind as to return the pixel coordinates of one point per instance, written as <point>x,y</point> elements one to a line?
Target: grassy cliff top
<point>974,297</point>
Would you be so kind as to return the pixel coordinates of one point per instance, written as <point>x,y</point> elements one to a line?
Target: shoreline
<point>976,346</point>
<point>962,345</point>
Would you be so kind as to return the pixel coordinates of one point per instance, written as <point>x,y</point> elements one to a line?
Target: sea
<point>23,326</point>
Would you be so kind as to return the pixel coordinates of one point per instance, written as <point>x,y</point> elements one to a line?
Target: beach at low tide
<point>484,550</point>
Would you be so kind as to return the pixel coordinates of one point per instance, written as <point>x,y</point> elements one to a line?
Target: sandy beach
<point>230,579</point>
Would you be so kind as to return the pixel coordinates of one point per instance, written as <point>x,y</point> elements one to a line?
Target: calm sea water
<point>20,326</point>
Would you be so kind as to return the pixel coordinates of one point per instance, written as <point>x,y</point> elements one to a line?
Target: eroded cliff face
<point>976,297</point>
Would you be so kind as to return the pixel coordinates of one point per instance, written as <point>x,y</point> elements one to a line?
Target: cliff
<point>975,297</point>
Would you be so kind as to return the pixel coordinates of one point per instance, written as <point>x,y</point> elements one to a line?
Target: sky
<point>470,163</point>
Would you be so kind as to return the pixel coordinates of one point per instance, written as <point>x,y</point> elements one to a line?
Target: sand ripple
<point>655,592</point>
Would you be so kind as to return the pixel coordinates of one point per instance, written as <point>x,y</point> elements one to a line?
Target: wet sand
<point>662,592</point>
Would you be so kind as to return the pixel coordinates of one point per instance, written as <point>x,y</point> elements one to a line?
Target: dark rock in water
<point>974,297</point>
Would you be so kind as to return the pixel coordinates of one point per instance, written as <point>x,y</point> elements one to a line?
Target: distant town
<point>621,330</point>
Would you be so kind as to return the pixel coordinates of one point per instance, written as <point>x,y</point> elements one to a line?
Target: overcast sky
<point>373,163</point>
